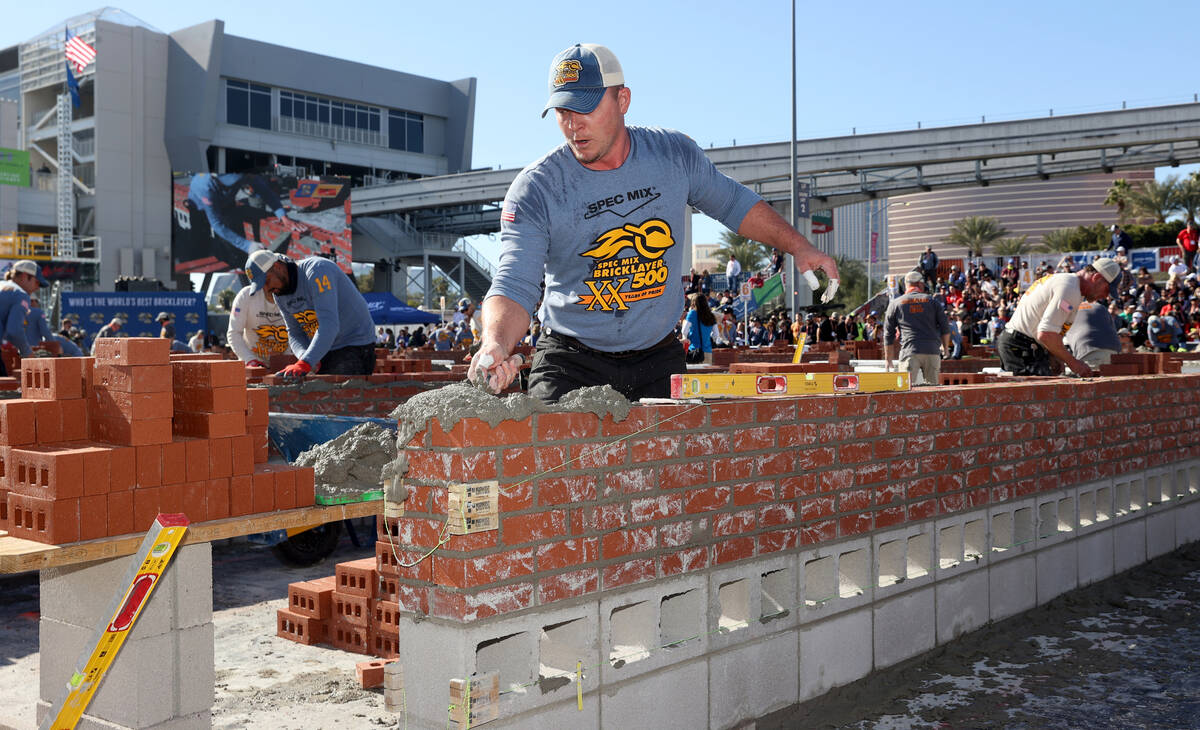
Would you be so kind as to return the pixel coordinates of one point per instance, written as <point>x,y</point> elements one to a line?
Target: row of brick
<point>678,488</point>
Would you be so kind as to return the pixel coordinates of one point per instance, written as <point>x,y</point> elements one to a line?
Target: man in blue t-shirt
<point>598,222</point>
<point>328,324</point>
<point>24,278</point>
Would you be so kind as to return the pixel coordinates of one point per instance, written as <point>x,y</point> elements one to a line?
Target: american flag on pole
<point>79,53</point>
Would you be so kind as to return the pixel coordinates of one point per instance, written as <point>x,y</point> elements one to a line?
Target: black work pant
<point>562,364</point>
<point>351,360</point>
<point>1022,355</point>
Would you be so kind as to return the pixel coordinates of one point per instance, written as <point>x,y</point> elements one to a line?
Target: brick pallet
<point>97,447</point>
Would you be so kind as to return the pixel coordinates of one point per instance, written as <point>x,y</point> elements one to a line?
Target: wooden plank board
<point>18,555</point>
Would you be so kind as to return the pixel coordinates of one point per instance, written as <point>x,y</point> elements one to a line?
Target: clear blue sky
<point>720,71</point>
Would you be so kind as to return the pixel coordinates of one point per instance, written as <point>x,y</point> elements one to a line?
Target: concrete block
<point>1056,518</point>
<point>680,699</point>
<point>634,628</point>
<point>195,669</point>
<point>753,680</point>
<point>835,578</point>
<point>959,543</point>
<point>1012,586</point>
<point>1160,532</point>
<point>962,605</point>
<point>139,688</point>
<point>198,721</point>
<point>903,559</point>
<point>190,576</point>
<point>564,713</point>
<point>740,596</point>
<point>1187,524</point>
<point>1012,529</point>
<point>435,652</point>
<point>834,652</point>
<point>1095,557</point>
<point>1057,571</point>
<point>905,626</point>
<point>87,596</point>
<point>1129,545</point>
<point>86,721</point>
<point>1094,506</point>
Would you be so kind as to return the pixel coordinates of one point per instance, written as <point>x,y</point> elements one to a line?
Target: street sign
<point>802,200</point>
<point>874,244</point>
<point>822,221</point>
<point>745,291</point>
<point>14,167</point>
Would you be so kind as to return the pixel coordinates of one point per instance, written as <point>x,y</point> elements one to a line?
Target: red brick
<point>629,481</point>
<point>53,378</point>
<point>627,573</point>
<point>120,512</point>
<point>566,490</point>
<point>680,418</point>
<point>685,560</point>
<point>300,629</point>
<point>241,492</point>
<point>568,585</point>
<point>654,448</point>
<point>74,419</point>
<point>125,433</point>
<point>242,450</point>
<point>922,510</point>
<point>356,577</point>
<point>195,500</point>
<point>258,401</point>
<point>196,456</point>
<point>348,637</point>
<point>627,542</point>
<point>647,509</point>
<point>305,486</point>
<point>520,529</point>
<point>675,476</point>
<point>133,378</point>
<point>209,425</point>
<point>174,463</point>
<point>122,465</point>
<point>771,542</point>
<point>49,417</point>
<point>93,517</point>
<point>753,439</point>
<point>706,499</point>
<point>567,553</point>
<point>737,548</point>
<point>208,373</point>
<point>146,506</point>
<point>818,532</point>
<point>132,351</point>
<point>149,466</point>
<point>49,521</point>
<point>216,498</point>
<point>170,499</point>
<point>285,488</point>
<point>262,491</point>
<point>753,493</point>
<point>108,403</point>
<point>350,609</point>
<point>563,426</point>
<point>18,422</point>
<point>47,472</point>
<point>220,458</point>
<point>229,399</point>
<point>261,445</point>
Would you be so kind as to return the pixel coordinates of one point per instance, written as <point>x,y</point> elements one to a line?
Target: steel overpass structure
<point>843,170</point>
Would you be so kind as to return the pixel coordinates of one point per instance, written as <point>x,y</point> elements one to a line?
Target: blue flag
<point>72,86</point>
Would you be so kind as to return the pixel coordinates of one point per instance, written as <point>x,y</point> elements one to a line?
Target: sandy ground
<point>1122,654</point>
<point>261,681</point>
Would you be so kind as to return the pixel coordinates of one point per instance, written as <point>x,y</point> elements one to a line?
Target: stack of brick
<point>99,447</point>
<point>356,609</point>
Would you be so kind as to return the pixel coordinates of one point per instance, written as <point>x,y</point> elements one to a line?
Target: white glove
<point>814,284</point>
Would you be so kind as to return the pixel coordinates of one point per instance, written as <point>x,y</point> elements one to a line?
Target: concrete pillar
<point>165,671</point>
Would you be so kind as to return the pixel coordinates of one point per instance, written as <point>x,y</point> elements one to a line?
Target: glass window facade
<point>406,131</point>
<point>247,105</point>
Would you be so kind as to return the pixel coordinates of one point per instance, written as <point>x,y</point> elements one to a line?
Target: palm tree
<point>752,255</point>
<point>1118,195</point>
<point>1157,200</point>
<point>974,233</point>
<point>1057,241</point>
<point>1009,247</point>
<point>1188,196</point>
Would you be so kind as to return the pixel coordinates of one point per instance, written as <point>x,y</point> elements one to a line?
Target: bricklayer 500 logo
<point>272,340</point>
<point>616,282</point>
<point>307,321</point>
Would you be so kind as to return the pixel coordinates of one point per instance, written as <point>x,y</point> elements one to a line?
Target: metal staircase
<point>394,239</point>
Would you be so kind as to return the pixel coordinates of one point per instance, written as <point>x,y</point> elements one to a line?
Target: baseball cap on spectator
<point>162,315</point>
<point>579,75</point>
<point>1113,227</point>
<point>25,266</point>
<point>913,277</point>
<point>1124,332</point>
<point>257,266</point>
<point>1108,268</point>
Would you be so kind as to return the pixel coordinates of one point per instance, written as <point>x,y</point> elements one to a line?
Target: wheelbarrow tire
<point>311,546</point>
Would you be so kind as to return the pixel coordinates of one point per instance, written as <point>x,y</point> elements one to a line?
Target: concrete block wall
<point>164,675</point>
<point>718,647</point>
<point>588,504</point>
<point>99,446</point>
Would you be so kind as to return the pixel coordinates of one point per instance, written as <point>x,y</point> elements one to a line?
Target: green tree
<point>366,282</point>
<point>752,255</point>
<point>225,299</point>
<point>975,233</point>
<point>1118,196</point>
<point>1058,241</point>
<point>1157,200</point>
<point>1008,247</point>
<point>1188,196</point>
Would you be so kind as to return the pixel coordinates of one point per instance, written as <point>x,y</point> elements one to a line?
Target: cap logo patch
<point>567,72</point>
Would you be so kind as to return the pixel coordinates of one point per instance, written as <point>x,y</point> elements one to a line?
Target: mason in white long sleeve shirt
<point>256,328</point>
